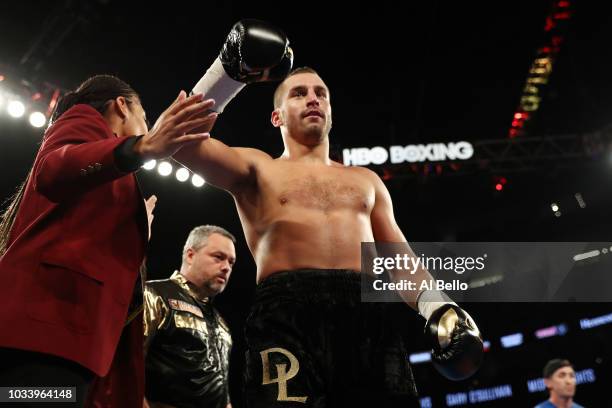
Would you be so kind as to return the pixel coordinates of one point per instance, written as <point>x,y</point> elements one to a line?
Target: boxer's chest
<point>319,188</point>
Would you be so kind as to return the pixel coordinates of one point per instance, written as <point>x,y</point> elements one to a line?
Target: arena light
<point>38,119</point>
<point>586,255</point>
<point>150,165</point>
<point>554,207</point>
<point>558,330</point>
<point>15,108</point>
<point>197,181</point>
<point>512,340</point>
<point>499,182</point>
<point>423,357</point>
<point>489,280</point>
<point>595,321</point>
<point>182,174</point>
<point>164,168</point>
<point>556,25</point>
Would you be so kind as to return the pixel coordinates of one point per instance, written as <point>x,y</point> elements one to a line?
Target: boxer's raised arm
<point>254,51</point>
<point>231,168</point>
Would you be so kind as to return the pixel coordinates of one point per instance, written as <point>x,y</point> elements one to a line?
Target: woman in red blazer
<point>74,237</point>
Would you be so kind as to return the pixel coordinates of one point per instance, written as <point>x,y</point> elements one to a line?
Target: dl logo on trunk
<point>283,375</point>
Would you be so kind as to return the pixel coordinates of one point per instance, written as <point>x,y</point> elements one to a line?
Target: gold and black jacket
<point>187,346</point>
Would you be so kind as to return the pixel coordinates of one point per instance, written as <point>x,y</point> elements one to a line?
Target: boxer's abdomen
<point>311,238</point>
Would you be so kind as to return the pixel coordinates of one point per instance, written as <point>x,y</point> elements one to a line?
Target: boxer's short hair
<point>278,91</point>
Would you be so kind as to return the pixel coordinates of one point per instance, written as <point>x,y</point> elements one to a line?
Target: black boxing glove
<point>457,347</point>
<point>254,51</point>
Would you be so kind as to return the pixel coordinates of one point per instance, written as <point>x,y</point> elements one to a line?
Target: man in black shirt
<point>187,343</point>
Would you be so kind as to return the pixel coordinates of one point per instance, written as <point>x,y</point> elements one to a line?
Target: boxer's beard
<point>314,135</point>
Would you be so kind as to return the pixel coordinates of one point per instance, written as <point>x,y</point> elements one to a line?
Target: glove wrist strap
<point>430,300</point>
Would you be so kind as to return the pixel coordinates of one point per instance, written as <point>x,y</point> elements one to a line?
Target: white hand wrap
<point>217,85</point>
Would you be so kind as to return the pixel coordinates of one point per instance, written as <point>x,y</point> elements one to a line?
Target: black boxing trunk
<point>311,342</point>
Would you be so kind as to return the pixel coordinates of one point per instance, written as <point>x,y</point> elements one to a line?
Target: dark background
<point>436,71</point>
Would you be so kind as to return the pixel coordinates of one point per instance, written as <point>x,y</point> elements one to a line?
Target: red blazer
<point>74,252</point>
<point>121,387</point>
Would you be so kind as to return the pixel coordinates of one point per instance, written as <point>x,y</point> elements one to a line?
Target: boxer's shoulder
<point>365,174</point>
<point>253,155</point>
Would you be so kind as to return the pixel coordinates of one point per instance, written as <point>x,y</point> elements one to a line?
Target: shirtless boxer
<point>311,341</point>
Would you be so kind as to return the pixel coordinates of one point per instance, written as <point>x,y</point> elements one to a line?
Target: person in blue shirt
<point>560,380</point>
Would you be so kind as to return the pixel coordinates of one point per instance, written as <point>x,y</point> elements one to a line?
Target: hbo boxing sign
<point>362,156</point>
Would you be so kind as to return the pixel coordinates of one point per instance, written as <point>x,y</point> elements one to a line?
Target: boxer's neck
<point>299,152</point>
<point>296,151</point>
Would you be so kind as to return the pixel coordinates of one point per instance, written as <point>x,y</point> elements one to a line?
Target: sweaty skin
<point>300,210</point>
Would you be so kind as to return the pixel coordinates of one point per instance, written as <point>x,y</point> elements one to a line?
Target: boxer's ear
<point>277,118</point>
